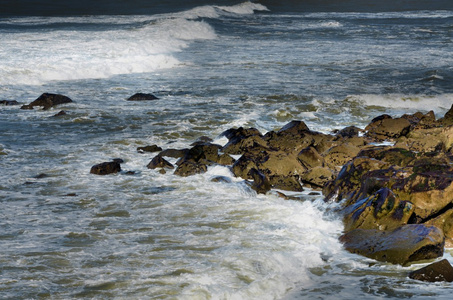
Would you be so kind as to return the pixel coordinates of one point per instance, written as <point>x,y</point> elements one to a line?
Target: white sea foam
<point>63,54</point>
<point>409,103</point>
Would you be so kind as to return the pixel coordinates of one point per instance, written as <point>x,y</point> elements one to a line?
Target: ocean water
<point>67,234</point>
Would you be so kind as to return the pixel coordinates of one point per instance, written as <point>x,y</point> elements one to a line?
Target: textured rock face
<point>47,101</point>
<point>438,271</point>
<point>403,245</point>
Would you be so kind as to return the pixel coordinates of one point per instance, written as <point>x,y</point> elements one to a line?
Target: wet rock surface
<point>47,101</point>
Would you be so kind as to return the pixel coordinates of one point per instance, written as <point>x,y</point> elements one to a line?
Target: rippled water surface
<point>65,233</point>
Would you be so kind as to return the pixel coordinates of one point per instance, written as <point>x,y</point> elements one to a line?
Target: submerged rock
<point>48,100</point>
<point>152,148</point>
<point>402,246</point>
<point>142,97</point>
<point>435,272</point>
<point>8,102</point>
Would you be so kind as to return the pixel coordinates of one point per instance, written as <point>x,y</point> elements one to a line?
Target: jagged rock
<point>447,120</point>
<point>142,97</point>
<point>260,183</point>
<point>197,158</point>
<point>406,244</point>
<point>294,137</point>
<point>435,272</point>
<point>226,160</point>
<point>275,165</point>
<point>152,148</point>
<point>159,162</point>
<point>348,182</point>
<point>385,127</point>
<point>241,140</point>
<point>106,168</point>
<point>188,168</point>
<point>47,101</point>
<point>383,210</point>
<point>240,144</point>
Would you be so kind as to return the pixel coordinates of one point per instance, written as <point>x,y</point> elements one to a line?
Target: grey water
<point>66,234</point>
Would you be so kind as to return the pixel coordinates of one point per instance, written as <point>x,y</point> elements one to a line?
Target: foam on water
<point>145,44</point>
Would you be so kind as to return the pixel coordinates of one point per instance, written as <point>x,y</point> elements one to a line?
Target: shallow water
<point>68,234</point>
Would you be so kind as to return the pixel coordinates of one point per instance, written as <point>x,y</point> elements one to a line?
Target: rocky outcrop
<point>142,97</point>
<point>47,101</point>
<point>396,199</point>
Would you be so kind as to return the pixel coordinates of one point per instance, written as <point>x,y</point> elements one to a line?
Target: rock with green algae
<point>405,244</point>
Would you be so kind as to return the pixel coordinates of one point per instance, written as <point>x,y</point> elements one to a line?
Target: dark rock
<point>175,153</point>
<point>406,244</point>
<point>349,132</point>
<point>260,183</point>
<point>8,102</point>
<point>47,101</point>
<point>241,144</point>
<point>41,176</point>
<point>435,272</point>
<point>142,97</point>
<point>159,162</point>
<point>188,168</point>
<point>152,148</point>
<point>240,132</point>
<point>106,168</point>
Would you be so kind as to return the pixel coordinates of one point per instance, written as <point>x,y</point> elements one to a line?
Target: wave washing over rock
<point>219,150</point>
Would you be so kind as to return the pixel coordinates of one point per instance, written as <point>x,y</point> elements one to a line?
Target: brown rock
<point>388,128</point>
<point>310,158</point>
<point>159,162</point>
<point>106,168</point>
<point>438,271</point>
<point>151,149</point>
<point>317,177</point>
<point>406,244</point>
